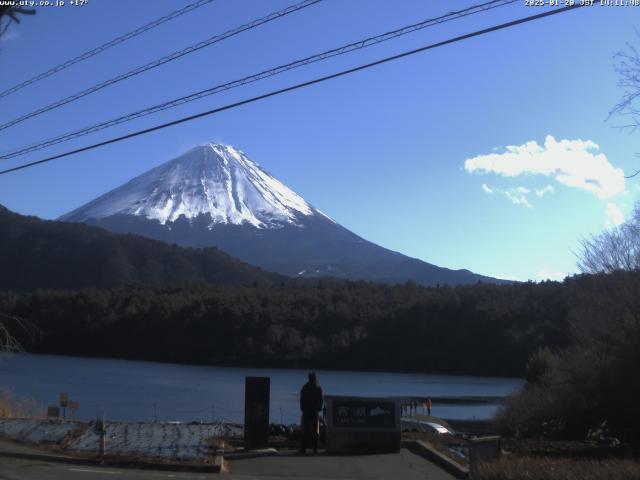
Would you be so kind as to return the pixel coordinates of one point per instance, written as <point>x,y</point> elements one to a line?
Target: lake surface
<point>141,391</point>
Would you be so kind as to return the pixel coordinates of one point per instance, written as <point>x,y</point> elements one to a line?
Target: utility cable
<point>258,76</point>
<point>296,87</point>
<point>161,61</point>
<point>106,46</point>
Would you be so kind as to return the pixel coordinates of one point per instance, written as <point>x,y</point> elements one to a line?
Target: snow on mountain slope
<point>213,179</point>
<point>215,196</point>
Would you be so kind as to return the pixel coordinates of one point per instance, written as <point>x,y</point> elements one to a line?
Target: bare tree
<point>9,323</point>
<point>619,248</point>
<point>614,249</point>
<point>627,67</point>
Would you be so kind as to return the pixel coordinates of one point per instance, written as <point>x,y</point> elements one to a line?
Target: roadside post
<point>256,411</point>
<point>74,407</point>
<point>101,429</point>
<point>481,450</point>
<point>362,424</point>
<point>64,401</point>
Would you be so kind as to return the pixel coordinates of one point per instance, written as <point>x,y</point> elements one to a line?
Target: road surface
<point>405,465</point>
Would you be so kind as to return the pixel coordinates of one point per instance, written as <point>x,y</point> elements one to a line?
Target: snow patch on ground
<point>36,431</point>
<point>176,441</point>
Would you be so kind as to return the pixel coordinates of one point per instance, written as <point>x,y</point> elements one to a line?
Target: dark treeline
<point>481,329</point>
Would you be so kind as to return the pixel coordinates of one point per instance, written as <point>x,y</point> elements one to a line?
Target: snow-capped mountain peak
<point>231,203</point>
<point>214,179</point>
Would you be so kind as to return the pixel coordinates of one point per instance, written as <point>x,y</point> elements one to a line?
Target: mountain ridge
<point>252,216</point>
<point>59,255</point>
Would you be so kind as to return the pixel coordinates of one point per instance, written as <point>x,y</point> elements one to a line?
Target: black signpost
<point>53,412</point>
<point>256,411</point>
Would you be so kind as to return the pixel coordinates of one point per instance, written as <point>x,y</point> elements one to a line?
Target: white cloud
<point>613,216</point>
<point>548,274</point>
<point>517,197</point>
<point>487,188</point>
<point>574,163</point>
<point>541,192</point>
<point>506,276</point>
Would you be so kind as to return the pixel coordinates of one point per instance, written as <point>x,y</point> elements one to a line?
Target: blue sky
<point>492,154</point>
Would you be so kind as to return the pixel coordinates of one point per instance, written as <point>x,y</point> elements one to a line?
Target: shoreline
<point>278,367</point>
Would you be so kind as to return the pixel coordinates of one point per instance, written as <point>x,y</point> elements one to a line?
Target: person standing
<point>429,406</point>
<point>310,404</point>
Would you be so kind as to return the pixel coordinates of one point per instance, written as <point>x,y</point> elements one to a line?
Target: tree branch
<point>8,341</point>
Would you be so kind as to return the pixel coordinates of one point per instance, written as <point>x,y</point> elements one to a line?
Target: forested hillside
<point>483,329</point>
<point>48,254</point>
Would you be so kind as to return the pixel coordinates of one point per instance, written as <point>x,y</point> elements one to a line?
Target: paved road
<point>404,465</point>
<point>19,469</point>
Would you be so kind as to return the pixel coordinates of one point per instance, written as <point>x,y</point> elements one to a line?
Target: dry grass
<point>16,406</point>
<point>534,468</point>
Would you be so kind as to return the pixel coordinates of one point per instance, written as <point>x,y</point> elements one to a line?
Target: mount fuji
<point>214,195</point>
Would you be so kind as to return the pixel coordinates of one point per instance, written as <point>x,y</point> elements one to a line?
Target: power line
<point>106,46</point>
<point>296,87</point>
<point>259,76</point>
<point>166,59</point>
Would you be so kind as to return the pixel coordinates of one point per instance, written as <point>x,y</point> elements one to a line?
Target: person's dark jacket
<point>311,399</point>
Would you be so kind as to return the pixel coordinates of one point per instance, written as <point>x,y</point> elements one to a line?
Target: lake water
<point>133,390</point>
